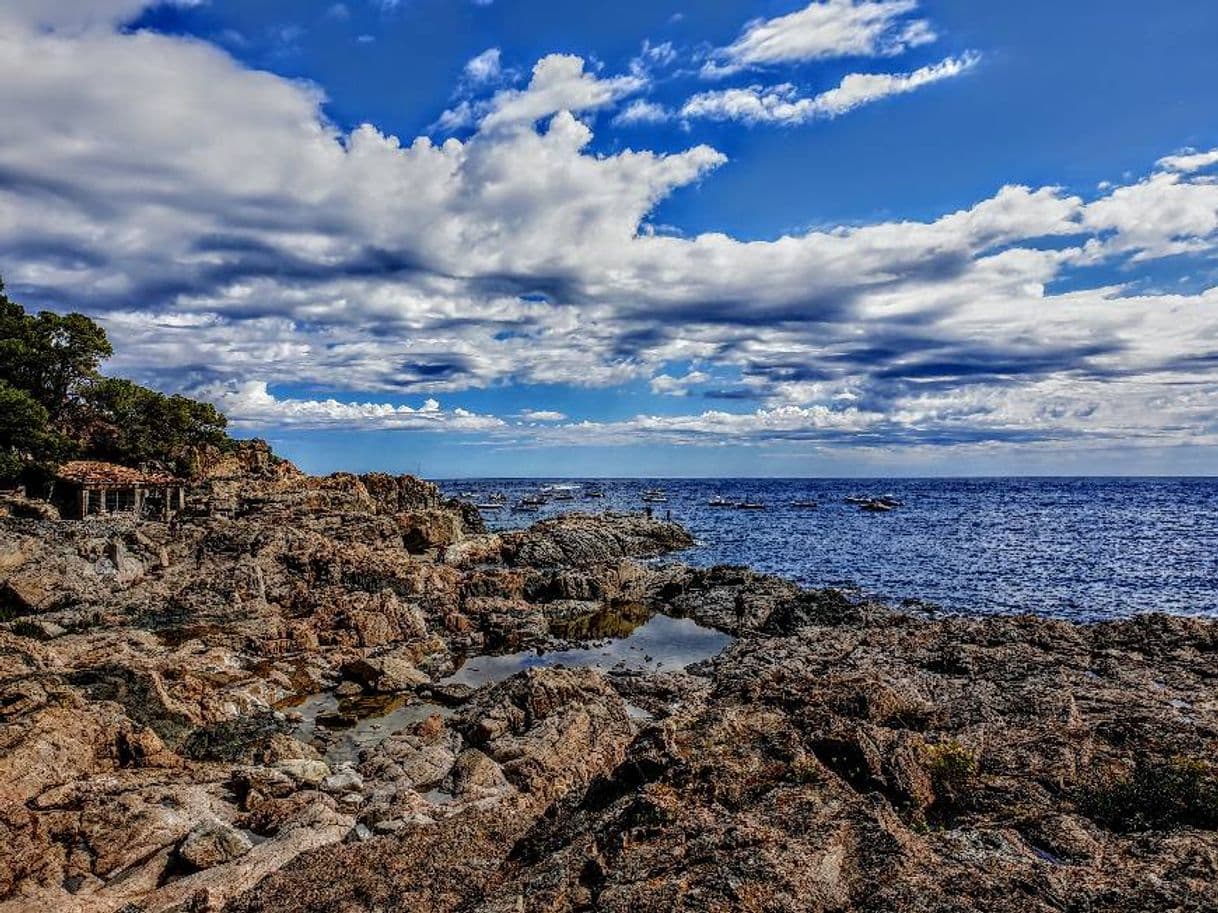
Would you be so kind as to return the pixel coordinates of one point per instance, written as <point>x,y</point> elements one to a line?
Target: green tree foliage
<point>54,405</point>
<point>139,425</point>
<point>49,356</point>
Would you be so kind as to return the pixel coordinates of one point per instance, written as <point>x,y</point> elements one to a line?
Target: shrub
<point>1155,795</point>
<point>952,769</point>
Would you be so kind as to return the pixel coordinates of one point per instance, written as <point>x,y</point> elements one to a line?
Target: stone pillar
<point>82,500</point>
<point>101,505</point>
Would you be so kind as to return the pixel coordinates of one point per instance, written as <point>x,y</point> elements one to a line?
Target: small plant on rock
<point>953,773</point>
<point>1155,795</point>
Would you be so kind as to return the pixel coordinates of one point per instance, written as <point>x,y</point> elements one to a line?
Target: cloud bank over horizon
<point>241,246</point>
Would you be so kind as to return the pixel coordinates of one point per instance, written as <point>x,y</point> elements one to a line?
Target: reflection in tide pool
<point>358,723</point>
<point>661,644</point>
<point>655,644</point>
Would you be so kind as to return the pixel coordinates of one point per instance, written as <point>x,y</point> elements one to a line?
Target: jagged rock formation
<point>838,756</point>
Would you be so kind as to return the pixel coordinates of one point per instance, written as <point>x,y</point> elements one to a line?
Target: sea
<point>1084,549</point>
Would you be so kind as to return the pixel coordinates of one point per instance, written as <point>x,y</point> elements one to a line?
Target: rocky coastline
<point>158,753</point>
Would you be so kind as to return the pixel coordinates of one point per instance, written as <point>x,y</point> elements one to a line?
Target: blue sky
<point>846,237</point>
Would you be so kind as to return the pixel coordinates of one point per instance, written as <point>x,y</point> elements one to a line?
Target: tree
<point>139,425</point>
<point>26,439</point>
<point>49,356</point>
<point>53,401</point>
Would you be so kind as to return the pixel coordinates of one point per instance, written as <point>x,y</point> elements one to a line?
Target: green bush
<point>1155,795</point>
<point>952,769</point>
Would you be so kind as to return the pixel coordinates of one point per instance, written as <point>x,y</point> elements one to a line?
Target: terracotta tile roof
<point>96,472</point>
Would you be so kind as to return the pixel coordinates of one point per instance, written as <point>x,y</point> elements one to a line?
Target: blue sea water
<point>1079,548</point>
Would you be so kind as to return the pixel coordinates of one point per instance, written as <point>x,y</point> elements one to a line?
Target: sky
<point>662,238</point>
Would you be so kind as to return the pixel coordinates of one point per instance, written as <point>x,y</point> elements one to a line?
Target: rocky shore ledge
<point>157,752</point>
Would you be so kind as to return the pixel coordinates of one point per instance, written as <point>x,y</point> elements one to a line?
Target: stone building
<point>91,488</point>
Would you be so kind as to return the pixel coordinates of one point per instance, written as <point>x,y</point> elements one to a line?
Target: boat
<point>655,496</point>
<point>593,493</point>
<point>890,500</point>
<point>808,505</point>
<point>719,501</point>
<point>856,499</point>
<point>525,506</point>
<point>876,507</point>
<point>490,505</point>
<point>561,492</point>
<point>748,505</point>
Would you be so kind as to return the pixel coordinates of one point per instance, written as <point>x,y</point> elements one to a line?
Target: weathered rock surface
<point>838,757</point>
<point>142,666</point>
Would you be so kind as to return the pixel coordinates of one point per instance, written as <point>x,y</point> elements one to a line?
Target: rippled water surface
<point>1078,548</point>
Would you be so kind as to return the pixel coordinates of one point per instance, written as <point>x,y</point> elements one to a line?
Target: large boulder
<point>211,843</point>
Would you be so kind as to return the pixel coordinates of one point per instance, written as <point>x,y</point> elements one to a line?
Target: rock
<point>580,540</point>
<point>346,781</point>
<point>476,776</point>
<point>304,771</point>
<point>127,569</point>
<point>837,756</point>
<point>210,844</point>
<point>428,529</point>
<point>386,674</point>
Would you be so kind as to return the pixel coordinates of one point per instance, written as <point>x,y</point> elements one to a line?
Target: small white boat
<point>594,493</point>
<point>719,501</point>
<point>805,505</point>
<point>655,496</point>
<point>749,505</point>
<point>490,505</point>
<point>524,506</point>
<point>561,492</point>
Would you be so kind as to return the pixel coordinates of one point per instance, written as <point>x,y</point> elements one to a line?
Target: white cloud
<point>653,56</point>
<point>251,239</point>
<point>677,386</point>
<point>559,83</point>
<point>250,404</point>
<point>542,415</point>
<point>485,67</point>
<point>641,111</point>
<point>824,29</point>
<point>1164,214</point>
<point>1189,160</point>
<point>782,104</point>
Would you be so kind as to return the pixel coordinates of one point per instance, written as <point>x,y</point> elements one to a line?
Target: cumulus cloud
<point>250,404</point>
<point>559,83</point>
<point>782,104</point>
<point>542,415</point>
<point>821,30</point>
<point>247,244</point>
